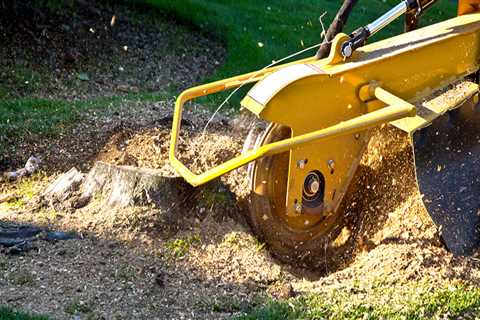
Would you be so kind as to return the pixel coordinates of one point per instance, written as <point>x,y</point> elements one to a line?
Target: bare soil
<point>204,263</point>
<point>84,49</point>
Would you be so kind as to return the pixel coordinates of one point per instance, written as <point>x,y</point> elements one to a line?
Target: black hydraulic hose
<point>336,27</point>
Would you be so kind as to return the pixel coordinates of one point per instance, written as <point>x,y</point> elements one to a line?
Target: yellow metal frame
<point>467,6</point>
<point>326,101</point>
<point>397,109</point>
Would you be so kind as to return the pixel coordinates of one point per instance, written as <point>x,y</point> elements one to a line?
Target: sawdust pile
<point>393,234</point>
<point>396,240</point>
<point>213,251</point>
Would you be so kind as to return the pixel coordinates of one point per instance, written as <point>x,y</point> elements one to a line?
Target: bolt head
<point>331,164</point>
<point>347,50</point>
<point>298,207</point>
<point>314,186</point>
<point>301,163</point>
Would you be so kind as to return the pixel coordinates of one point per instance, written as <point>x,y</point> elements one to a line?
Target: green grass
<point>416,302</point>
<point>7,313</point>
<point>33,115</point>
<point>281,26</point>
<point>27,116</point>
<point>76,306</point>
<point>178,248</point>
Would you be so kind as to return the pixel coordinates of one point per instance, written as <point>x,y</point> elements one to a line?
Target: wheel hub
<point>313,192</point>
<point>312,185</point>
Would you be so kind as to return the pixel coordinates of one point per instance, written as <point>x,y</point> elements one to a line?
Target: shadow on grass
<point>8,313</point>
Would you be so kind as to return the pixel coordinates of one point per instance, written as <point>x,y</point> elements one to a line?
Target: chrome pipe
<point>387,18</point>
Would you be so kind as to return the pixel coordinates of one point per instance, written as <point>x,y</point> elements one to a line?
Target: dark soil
<point>82,49</point>
<point>211,266</point>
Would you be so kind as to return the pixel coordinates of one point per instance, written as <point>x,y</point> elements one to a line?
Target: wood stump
<point>125,190</point>
<point>116,186</point>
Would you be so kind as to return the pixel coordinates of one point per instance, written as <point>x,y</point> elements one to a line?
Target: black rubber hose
<point>336,27</point>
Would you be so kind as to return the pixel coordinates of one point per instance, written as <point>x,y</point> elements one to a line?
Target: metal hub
<point>313,190</point>
<point>311,185</point>
<point>314,186</point>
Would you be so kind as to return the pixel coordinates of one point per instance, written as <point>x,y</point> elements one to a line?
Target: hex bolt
<point>298,206</point>
<point>301,163</point>
<point>331,165</point>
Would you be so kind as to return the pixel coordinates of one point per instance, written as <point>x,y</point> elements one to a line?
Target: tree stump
<point>63,187</point>
<point>116,186</point>
<point>119,191</point>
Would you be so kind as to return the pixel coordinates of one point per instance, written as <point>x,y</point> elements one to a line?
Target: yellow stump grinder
<point>321,113</point>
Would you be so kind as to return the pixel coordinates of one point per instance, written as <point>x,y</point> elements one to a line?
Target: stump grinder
<point>321,114</point>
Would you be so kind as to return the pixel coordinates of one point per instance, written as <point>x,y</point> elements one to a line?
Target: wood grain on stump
<point>116,186</point>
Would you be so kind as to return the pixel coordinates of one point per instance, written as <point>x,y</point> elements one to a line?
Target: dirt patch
<point>202,262</point>
<point>85,48</point>
<point>97,279</point>
<point>210,265</point>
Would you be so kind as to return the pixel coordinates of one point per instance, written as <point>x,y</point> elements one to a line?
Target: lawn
<point>411,301</point>
<point>7,313</point>
<point>257,32</point>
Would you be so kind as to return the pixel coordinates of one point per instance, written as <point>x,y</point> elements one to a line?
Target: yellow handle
<point>396,109</point>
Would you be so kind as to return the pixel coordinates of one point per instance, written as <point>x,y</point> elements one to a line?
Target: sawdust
<point>396,241</point>
<point>220,260</point>
<point>394,236</point>
<point>210,266</point>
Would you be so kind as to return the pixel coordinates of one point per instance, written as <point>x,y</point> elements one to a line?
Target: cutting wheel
<point>309,237</point>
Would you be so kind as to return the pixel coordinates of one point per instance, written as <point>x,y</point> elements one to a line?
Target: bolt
<point>298,206</point>
<point>331,165</point>
<point>301,163</point>
<point>314,186</point>
<point>357,136</point>
<point>475,98</point>
<point>347,50</point>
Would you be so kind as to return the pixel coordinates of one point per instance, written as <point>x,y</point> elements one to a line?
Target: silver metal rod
<point>388,17</point>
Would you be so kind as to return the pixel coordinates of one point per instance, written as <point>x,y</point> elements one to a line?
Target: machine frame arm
<point>396,109</point>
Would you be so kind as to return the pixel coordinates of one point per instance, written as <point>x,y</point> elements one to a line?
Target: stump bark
<point>123,186</point>
<point>120,191</point>
<point>116,186</point>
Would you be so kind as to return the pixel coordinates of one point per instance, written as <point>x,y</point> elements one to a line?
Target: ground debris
<point>8,197</point>
<point>205,247</point>
<point>31,166</point>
